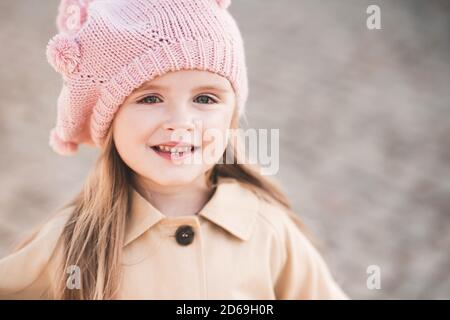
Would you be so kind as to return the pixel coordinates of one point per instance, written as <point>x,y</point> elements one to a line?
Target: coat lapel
<point>232,207</point>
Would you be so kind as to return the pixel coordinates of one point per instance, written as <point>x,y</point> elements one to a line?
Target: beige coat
<point>237,247</point>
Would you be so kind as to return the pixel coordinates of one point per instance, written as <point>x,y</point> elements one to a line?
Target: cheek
<point>132,127</point>
<point>132,131</point>
<point>220,120</point>
<point>215,134</point>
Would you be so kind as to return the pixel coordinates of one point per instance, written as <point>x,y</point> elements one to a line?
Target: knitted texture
<point>105,49</point>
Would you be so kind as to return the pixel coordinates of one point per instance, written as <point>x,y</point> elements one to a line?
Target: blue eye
<point>152,99</point>
<point>148,100</point>
<point>205,101</point>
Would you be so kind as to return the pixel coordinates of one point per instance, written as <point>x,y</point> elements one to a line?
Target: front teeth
<point>174,150</point>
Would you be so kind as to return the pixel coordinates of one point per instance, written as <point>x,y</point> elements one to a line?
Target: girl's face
<point>189,106</point>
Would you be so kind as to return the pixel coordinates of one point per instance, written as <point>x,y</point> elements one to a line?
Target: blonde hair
<point>93,236</point>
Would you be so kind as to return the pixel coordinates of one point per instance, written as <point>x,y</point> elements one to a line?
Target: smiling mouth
<point>178,152</point>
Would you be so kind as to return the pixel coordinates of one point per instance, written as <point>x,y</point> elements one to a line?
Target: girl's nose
<point>177,125</point>
<point>180,118</point>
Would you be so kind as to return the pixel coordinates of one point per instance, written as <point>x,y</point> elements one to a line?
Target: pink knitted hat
<point>105,49</point>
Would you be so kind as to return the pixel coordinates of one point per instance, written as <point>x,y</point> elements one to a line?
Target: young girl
<point>147,82</point>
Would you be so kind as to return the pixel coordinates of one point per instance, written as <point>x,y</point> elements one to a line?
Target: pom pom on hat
<point>224,4</point>
<point>63,54</point>
<point>72,14</point>
<point>64,148</point>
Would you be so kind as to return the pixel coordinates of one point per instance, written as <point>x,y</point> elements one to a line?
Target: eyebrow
<point>162,88</point>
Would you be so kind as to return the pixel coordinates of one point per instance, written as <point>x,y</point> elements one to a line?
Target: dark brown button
<point>184,235</point>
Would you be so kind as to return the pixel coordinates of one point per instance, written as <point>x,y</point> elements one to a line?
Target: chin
<point>175,178</point>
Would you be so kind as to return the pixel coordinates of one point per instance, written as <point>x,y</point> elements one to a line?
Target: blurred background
<point>364,119</point>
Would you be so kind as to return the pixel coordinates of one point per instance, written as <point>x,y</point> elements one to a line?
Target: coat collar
<point>232,207</point>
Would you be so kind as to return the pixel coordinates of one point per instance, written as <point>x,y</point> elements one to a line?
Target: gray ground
<point>364,119</point>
